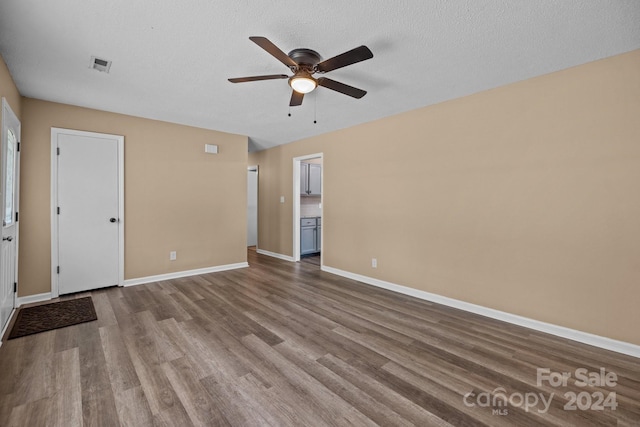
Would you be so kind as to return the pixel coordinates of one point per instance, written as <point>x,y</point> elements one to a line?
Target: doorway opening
<point>307,208</point>
<point>252,207</point>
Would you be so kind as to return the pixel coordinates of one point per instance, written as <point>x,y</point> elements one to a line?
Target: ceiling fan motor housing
<point>305,58</point>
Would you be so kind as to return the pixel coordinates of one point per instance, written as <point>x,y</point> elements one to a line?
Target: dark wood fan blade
<point>296,99</point>
<point>358,54</point>
<point>341,87</point>
<point>274,50</point>
<point>256,78</point>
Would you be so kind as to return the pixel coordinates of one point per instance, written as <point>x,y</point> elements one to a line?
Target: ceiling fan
<point>304,63</point>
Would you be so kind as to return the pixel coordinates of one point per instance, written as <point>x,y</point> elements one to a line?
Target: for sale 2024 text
<point>584,400</point>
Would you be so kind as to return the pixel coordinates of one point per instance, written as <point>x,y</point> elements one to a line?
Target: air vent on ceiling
<point>100,64</point>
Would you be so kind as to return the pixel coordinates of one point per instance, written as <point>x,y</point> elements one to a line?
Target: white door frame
<point>296,204</point>
<point>8,114</point>
<point>256,169</point>
<point>55,291</point>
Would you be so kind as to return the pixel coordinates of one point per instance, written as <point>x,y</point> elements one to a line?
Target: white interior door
<point>252,206</point>
<point>9,193</point>
<point>87,210</point>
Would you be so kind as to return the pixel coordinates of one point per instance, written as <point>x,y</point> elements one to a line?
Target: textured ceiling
<point>171,59</point>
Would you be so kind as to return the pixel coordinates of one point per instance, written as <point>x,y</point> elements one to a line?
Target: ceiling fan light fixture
<point>304,63</point>
<point>303,83</point>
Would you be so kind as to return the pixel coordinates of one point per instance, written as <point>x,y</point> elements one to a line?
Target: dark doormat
<point>41,318</point>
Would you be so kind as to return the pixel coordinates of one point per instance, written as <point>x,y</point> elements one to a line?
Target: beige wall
<point>524,198</point>
<point>9,90</point>
<point>176,196</point>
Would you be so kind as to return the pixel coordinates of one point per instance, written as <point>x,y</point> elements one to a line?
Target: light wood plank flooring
<point>284,344</point>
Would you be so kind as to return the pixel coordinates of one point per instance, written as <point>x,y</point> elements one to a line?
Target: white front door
<point>9,193</point>
<point>87,212</point>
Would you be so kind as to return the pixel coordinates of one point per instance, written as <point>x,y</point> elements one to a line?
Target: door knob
<point>8,239</point>
<point>112,220</point>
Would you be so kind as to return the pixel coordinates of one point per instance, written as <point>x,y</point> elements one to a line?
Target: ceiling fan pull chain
<point>315,107</point>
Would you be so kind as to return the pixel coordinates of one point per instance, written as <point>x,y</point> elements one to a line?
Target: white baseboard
<point>187,273</point>
<point>33,298</point>
<point>275,255</point>
<point>4,328</point>
<point>560,331</point>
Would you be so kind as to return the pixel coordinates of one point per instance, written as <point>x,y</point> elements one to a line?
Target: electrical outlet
<point>374,262</point>
<point>172,256</point>
<point>281,199</point>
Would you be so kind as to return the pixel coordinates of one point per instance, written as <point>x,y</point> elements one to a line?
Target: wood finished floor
<point>311,259</point>
<point>283,344</point>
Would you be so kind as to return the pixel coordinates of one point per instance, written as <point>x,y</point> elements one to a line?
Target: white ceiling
<point>171,59</point>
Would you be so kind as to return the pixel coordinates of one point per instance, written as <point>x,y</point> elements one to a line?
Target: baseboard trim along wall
<point>33,298</point>
<point>275,255</point>
<point>141,280</point>
<point>560,331</point>
<point>186,273</point>
<point>6,326</point>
